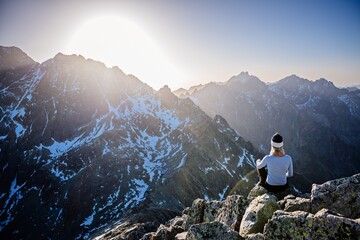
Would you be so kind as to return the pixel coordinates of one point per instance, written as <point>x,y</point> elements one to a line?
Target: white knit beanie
<point>277,140</point>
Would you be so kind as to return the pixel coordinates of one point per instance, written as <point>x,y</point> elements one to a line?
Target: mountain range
<point>82,146</point>
<point>320,123</point>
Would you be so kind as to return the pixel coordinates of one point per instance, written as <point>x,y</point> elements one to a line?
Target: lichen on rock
<point>339,195</point>
<point>326,215</point>
<point>258,213</point>
<point>211,210</point>
<point>303,225</point>
<point>195,214</point>
<point>232,211</point>
<point>212,231</point>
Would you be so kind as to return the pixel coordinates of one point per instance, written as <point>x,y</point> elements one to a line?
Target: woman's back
<point>279,168</point>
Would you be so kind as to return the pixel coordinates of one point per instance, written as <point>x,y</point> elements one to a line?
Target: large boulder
<point>232,211</point>
<point>293,225</point>
<point>181,236</point>
<point>129,231</point>
<point>303,225</point>
<point>164,233</point>
<point>211,210</point>
<point>297,204</point>
<point>340,195</point>
<point>255,236</point>
<point>195,214</point>
<point>257,214</point>
<point>335,226</point>
<point>177,221</point>
<point>256,191</point>
<point>212,231</point>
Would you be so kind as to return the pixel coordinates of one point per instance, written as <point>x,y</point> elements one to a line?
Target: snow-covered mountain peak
<point>84,144</point>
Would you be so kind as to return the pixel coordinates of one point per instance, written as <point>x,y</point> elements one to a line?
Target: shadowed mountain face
<point>320,123</point>
<point>81,144</point>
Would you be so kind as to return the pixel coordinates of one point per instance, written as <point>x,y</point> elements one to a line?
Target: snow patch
<point>137,193</point>
<point>248,157</point>
<point>245,179</point>
<point>19,129</point>
<point>352,106</point>
<point>88,220</point>
<point>206,197</point>
<point>3,137</point>
<point>60,174</point>
<point>226,160</point>
<point>14,196</point>
<point>18,112</point>
<point>58,216</point>
<point>111,199</point>
<point>182,162</point>
<point>311,102</point>
<point>222,195</point>
<point>57,149</point>
<point>208,169</point>
<point>225,168</point>
<point>241,160</point>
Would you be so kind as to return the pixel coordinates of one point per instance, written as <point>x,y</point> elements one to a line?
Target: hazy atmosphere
<point>94,145</point>
<point>184,43</point>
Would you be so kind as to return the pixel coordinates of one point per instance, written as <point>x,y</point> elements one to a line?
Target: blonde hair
<point>277,152</point>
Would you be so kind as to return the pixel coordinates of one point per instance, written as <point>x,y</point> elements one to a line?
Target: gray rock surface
<point>258,213</point>
<point>303,225</point>
<point>339,195</point>
<point>298,204</point>
<point>181,236</point>
<point>256,191</point>
<point>212,231</point>
<point>237,217</point>
<point>167,233</point>
<point>255,236</point>
<point>232,211</point>
<point>195,213</point>
<point>211,210</point>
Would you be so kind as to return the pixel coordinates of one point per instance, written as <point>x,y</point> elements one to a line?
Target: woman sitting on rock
<point>279,166</point>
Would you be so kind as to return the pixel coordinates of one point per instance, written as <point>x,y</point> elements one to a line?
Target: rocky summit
<point>263,215</point>
<point>83,146</point>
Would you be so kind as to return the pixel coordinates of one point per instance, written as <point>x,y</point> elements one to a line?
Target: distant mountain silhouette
<point>320,122</point>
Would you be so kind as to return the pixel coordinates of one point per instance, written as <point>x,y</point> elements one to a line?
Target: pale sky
<point>184,43</point>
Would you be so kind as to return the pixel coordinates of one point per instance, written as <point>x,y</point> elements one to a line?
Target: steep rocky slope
<point>330,212</point>
<point>82,145</point>
<point>319,122</point>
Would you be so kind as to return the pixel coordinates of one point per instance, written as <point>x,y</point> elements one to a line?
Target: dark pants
<point>271,188</point>
<point>262,176</point>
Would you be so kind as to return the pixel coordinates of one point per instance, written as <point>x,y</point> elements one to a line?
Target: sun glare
<point>119,42</point>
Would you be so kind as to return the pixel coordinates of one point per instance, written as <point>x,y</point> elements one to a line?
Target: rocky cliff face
<point>82,145</point>
<point>330,212</point>
<point>319,122</point>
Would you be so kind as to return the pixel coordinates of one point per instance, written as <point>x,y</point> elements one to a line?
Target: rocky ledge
<point>332,211</point>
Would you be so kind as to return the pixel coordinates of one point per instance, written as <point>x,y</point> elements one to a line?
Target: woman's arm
<point>261,163</point>
<point>290,171</point>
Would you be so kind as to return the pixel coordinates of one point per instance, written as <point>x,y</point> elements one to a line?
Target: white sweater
<point>278,169</point>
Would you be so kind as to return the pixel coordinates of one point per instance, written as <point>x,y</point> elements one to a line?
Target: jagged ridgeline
<point>82,144</point>
<point>320,123</point>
